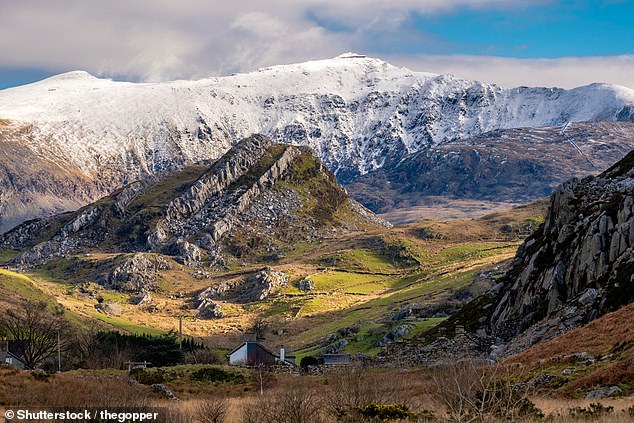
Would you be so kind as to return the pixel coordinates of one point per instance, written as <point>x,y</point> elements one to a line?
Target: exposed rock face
<point>256,287</point>
<point>396,333</point>
<point>208,309</point>
<point>512,165</point>
<point>109,308</point>
<point>257,190</point>
<point>188,254</point>
<point>266,282</point>
<point>305,285</point>
<point>138,273</point>
<point>222,174</point>
<point>576,267</point>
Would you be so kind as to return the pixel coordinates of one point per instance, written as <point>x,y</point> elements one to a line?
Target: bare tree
<point>258,327</point>
<point>212,410</point>
<point>350,387</point>
<point>474,392</point>
<point>35,329</point>
<point>263,376</point>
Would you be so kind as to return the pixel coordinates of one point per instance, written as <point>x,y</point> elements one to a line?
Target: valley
<point>355,279</point>
<point>450,240</point>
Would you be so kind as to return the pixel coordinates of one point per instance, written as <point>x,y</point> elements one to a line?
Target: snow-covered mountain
<point>357,113</point>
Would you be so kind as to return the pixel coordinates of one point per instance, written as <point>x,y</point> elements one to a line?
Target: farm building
<point>335,359</point>
<point>10,355</point>
<point>252,353</point>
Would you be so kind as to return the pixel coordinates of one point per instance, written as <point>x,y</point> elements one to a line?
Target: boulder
<point>137,273</point>
<point>604,392</point>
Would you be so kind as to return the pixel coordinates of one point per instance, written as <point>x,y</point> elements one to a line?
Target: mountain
<point>505,165</point>
<point>72,138</point>
<point>576,267</point>
<point>256,200</point>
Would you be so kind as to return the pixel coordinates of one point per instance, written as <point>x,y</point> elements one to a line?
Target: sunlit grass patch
<point>22,286</point>
<point>335,280</point>
<point>363,260</point>
<point>126,325</point>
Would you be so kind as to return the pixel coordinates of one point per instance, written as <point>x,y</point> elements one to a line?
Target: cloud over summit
<point>157,40</point>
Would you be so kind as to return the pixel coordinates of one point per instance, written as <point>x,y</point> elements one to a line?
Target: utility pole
<point>59,355</point>
<point>180,333</point>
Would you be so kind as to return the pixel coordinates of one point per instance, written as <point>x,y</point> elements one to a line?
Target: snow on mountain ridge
<point>357,113</point>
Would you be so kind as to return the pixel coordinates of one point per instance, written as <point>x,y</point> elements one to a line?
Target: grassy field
<point>359,280</point>
<point>17,284</point>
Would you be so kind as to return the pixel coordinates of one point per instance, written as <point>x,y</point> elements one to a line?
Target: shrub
<point>385,411</point>
<point>40,375</point>
<point>218,375</point>
<point>212,410</point>
<point>472,391</point>
<point>593,411</point>
<point>294,402</point>
<point>148,377</point>
<point>307,361</point>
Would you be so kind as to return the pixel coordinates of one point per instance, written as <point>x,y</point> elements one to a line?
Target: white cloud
<point>566,72</point>
<point>157,40</point>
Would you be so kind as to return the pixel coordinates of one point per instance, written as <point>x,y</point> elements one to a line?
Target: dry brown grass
<point>20,388</point>
<point>289,398</point>
<point>597,337</point>
<point>487,226</point>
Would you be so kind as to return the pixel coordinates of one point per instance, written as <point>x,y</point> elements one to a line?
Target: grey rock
<point>164,391</point>
<point>604,392</point>
<point>583,358</point>
<point>396,333</point>
<point>208,309</point>
<point>588,296</point>
<point>187,253</point>
<point>266,282</point>
<point>137,273</point>
<point>305,285</point>
<point>564,269</point>
<point>109,308</point>
<point>144,299</point>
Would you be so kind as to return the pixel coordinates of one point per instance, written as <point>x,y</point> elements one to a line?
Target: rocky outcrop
<point>265,283</point>
<point>187,253</point>
<point>233,165</point>
<point>396,333</point>
<point>111,308</point>
<point>137,273</point>
<point>256,287</point>
<point>305,285</point>
<point>143,299</point>
<point>223,225</point>
<point>578,265</point>
<point>258,198</point>
<point>209,309</point>
<point>125,196</point>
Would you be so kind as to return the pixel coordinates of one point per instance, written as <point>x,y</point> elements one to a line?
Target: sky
<point>508,42</point>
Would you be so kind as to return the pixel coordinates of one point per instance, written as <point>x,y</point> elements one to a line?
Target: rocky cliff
<point>578,266</point>
<point>357,113</point>
<point>254,201</point>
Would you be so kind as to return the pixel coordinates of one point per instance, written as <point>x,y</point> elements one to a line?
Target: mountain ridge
<point>191,213</point>
<point>357,113</point>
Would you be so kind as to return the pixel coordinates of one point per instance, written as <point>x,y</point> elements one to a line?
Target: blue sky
<point>542,42</point>
<point>567,28</point>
